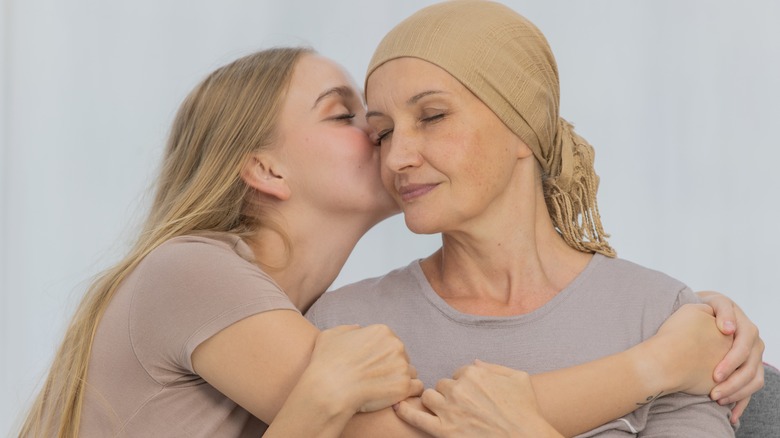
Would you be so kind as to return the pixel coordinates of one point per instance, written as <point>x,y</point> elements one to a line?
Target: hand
<point>367,368</point>
<point>741,372</point>
<point>481,400</point>
<point>689,346</point>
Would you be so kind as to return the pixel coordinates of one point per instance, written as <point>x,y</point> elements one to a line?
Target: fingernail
<point>719,376</point>
<point>716,395</point>
<point>729,326</point>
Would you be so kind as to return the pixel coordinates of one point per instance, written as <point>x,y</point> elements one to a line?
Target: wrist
<point>325,394</point>
<point>308,411</point>
<point>656,372</point>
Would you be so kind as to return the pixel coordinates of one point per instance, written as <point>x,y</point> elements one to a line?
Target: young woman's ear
<point>263,174</point>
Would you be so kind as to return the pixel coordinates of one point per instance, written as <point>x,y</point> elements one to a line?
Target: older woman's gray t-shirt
<point>611,306</point>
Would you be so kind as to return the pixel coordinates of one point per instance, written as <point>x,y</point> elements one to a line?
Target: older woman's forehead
<point>405,81</point>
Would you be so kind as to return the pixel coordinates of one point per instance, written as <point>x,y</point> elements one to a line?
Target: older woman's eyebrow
<point>412,100</point>
<point>343,91</point>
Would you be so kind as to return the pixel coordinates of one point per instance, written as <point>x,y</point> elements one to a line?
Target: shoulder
<point>200,276</point>
<point>367,297</point>
<point>623,278</point>
<point>208,260</point>
<point>185,252</point>
<point>634,291</point>
<point>625,271</point>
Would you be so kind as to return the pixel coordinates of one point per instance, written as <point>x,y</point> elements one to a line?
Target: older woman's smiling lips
<point>410,192</point>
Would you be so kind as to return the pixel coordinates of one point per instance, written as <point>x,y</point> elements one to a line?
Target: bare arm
<point>231,359</point>
<point>573,400</point>
<point>669,362</point>
<point>679,358</point>
<point>302,383</point>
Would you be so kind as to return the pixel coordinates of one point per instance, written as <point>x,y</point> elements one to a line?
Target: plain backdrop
<point>680,98</point>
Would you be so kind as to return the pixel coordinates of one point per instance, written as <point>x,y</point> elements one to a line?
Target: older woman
<point>463,98</point>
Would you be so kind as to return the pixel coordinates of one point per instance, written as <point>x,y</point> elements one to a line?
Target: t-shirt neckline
<point>498,321</point>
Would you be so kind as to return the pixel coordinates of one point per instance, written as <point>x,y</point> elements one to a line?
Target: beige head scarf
<point>506,62</point>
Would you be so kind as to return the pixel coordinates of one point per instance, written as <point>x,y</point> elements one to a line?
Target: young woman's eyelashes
<point>346,117</point>
<point>382,135</point>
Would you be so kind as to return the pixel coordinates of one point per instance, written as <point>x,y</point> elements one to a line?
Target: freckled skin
<point>443,151</point>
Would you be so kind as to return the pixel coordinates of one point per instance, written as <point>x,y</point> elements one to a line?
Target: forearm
<point>380,424</point>
<point>307,413</point>
<point>577,399</point>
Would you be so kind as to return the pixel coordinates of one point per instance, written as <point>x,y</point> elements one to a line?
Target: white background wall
<point>681,99</point>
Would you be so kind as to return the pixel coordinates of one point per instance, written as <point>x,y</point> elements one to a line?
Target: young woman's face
<point>331,162</point>
<point>447,159</point>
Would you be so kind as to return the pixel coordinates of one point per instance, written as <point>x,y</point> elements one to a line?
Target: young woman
<point>198,331</point>
<point>463,99</point>
<point>268,181</point>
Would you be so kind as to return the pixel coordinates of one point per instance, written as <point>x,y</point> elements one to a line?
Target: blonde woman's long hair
<point>229,115</point>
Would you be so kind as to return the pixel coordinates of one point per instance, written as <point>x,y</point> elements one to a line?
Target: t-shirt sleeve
<point>679,415</point>
<point>186,291</point>
<point>686,296</point>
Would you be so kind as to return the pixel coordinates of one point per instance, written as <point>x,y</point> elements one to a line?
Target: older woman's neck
<point>514,267</point>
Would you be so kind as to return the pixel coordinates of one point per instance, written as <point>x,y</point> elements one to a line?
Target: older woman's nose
<point>401,152</point>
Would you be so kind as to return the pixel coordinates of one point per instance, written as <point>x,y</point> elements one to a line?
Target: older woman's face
<point>447,159</point>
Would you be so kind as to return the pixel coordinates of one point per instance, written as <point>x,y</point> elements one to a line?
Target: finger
<point>416,387</point>
<point>740,392</point>
<point>412,371</point>
<point>461,371</point>
<point>725,316</point>
<point>433,400</point>
<point>424,421</point>
<point>738,382</point>
<point>731,386</point>
<point>747,351</point>
<point>702,307</point>
<point>725,311</point>
<point>444,386</point>
<point>738,410</point>
<point>738,355</point>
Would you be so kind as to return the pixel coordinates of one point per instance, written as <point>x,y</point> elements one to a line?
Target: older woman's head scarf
<point>506,62</point>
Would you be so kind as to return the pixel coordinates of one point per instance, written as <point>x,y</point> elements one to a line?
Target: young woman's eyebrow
<point>373,114</point>
<point>342,90</point>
